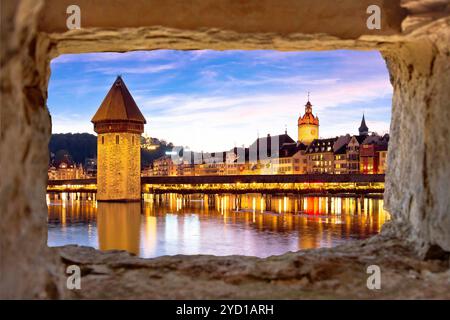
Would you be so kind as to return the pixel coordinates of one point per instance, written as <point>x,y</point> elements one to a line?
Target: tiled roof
<point>282,139</point>
<point>268,142</point>
<point>341,150</point>
<point>321,145</point>
<point>360,138</point>
<point>289,149</point>
<point>118,105</point>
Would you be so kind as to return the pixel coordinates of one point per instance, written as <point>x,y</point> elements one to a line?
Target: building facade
<point>320,156</point>
<point>65,170</point>
<point>90,166</point>
<point>300,160</point>
<point>280,154</point>
<point>340,160</point>
<point>383,161</point>
<point>370,152</point>
<point>164,166</point>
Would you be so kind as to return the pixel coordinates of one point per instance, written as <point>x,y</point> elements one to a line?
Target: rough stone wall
<point>418,59</point>
<point>28,269</point>
<point>338,273</point>
<point>345,19</point>
<point>118,167</point>
<point>418,172</point>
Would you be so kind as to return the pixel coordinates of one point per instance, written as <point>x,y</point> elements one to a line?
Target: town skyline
<point>231,102</point>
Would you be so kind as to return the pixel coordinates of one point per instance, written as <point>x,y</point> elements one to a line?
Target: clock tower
<point>308,125</point>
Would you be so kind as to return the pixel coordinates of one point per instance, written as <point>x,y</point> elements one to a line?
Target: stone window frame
<point>413,40</point>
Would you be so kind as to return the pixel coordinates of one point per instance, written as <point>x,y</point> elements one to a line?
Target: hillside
<point>80,146</point>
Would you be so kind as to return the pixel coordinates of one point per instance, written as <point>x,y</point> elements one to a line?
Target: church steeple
<point>363,129</point>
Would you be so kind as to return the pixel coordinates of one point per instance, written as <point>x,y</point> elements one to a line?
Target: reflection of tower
<point>119,124</point>
<point>118,226</point>
<point>308,125</point>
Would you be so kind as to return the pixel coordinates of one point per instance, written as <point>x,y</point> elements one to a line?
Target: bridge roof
<point>277,178</point>
<point>118,105</point>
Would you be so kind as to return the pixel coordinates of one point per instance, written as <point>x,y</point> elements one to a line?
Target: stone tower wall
<point>305,134</point>
<point>118,167</point>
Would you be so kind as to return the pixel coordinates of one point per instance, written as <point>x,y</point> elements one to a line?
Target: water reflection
<point>251,224</point>
<point>118,226</point>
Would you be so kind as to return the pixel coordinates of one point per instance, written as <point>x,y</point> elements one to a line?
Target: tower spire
<point>308,105</point>
<point>363,129</point>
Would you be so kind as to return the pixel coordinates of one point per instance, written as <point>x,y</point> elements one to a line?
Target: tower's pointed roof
<point>363,127</point>
<point>308,104</point>
<point>118,105</point>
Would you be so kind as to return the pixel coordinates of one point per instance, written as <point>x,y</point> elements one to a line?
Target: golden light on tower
<point>308,125</point>
<point>119,124</point>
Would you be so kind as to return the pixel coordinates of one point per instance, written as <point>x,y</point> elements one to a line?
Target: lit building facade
<point>340,160</point>
<point>320,155</point>
<point>291,159</point>
<point>66,170</point>
<point>280,154</point>
<point>300,161</point>
<point>383,161</point>
<point>165,166</point>
<point>353,148</point>
<point>340,157</point>
<point>368,159</point>
<point>352,153</point>
<point>370,151</point>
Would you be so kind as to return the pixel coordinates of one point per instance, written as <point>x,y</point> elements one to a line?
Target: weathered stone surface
<point>422,12</point>
<point>337,273</point>
<point>418,177</point>
<point>119,166</point>
<point>28,268</point>
<point>345,20</point>
<point>417,190</point>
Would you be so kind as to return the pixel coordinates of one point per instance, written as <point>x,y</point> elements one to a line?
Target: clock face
<point>313,131</point>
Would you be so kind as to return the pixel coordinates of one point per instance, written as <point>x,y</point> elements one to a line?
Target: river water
<point>250,224</point>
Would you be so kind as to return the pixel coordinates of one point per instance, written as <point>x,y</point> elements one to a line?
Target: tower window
<point>132,140</point>
<point>117,139</point>
<point>103,140</point>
